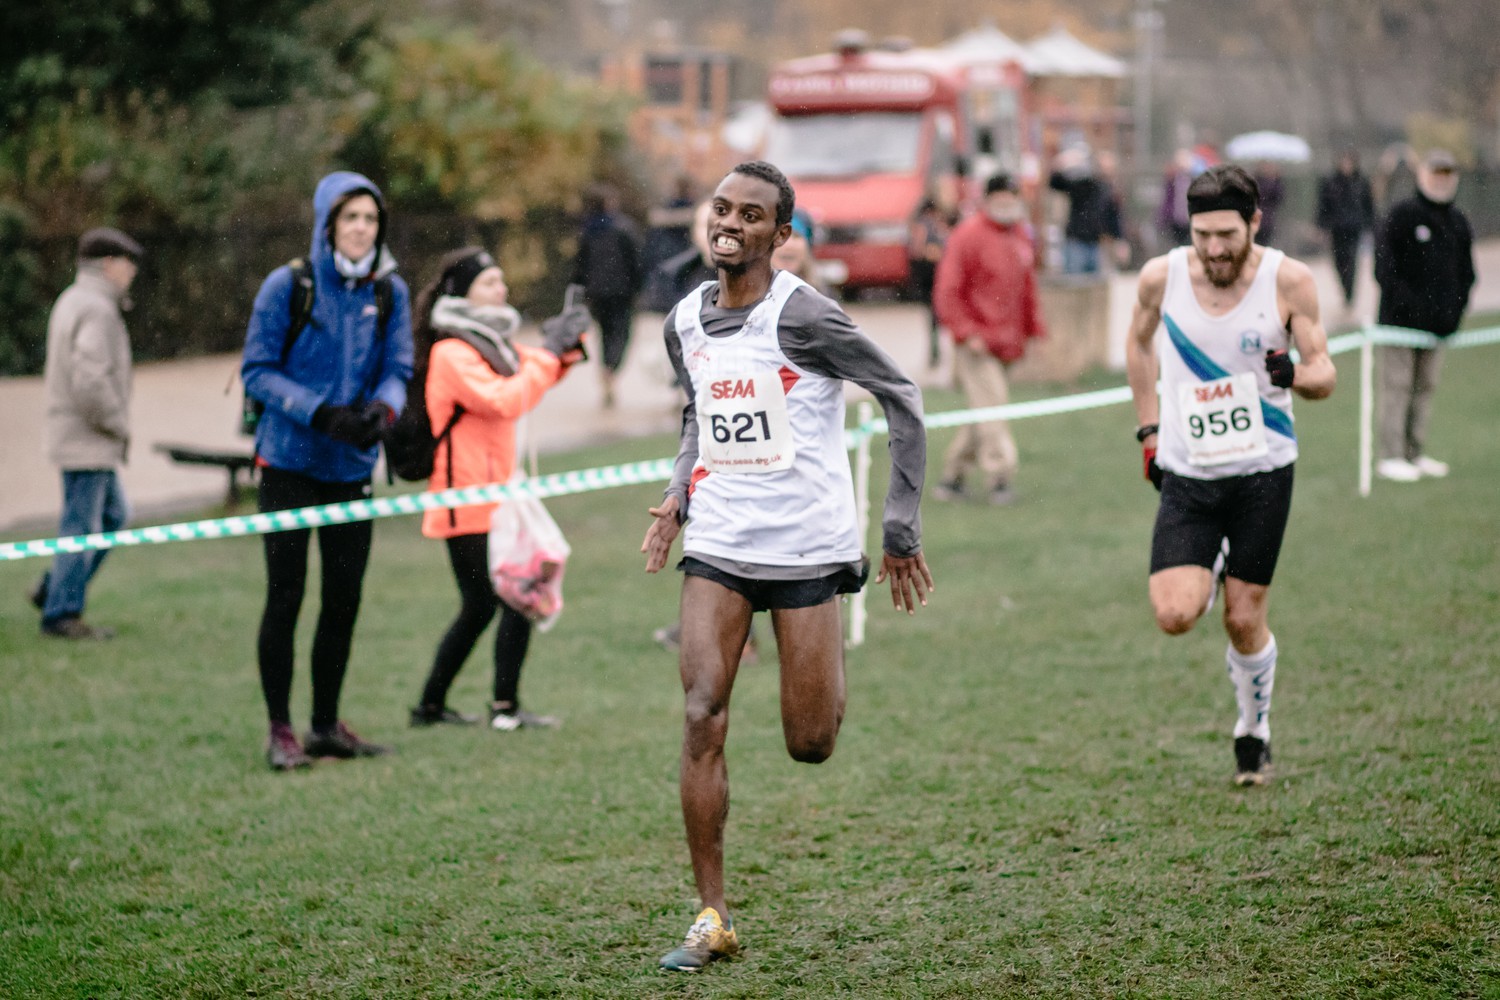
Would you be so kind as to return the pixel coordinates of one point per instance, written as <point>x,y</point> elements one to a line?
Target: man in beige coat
<point>88,419</point>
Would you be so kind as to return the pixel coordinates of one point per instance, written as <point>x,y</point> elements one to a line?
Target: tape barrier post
<point>864,416</point>
<point>1366,410</point>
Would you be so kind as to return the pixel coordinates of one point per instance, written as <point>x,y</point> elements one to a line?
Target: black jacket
<point>608,265</point>
<point>1424,262</point>
<point>1344,202</point>
<point>1093,212</point>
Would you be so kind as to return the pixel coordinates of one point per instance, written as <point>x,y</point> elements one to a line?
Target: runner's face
<point>488,288</point>
<point>742,228</point>
<point>356,227</point>
<point>1223,241</point>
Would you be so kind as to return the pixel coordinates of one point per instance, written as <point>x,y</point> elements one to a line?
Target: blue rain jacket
<point>339,358</point>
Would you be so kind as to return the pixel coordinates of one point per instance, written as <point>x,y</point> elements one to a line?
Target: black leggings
<point>469,555</point>
<point>345,552</point>
<point>1345,240</point>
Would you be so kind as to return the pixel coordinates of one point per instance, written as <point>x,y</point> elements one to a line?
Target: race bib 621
<point>743,425</point>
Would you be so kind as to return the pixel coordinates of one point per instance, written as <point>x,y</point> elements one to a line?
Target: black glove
<point>1153,471</point>
<point>342,423</point>
<point>564,332</point>
<point>377,419</point>
<point>1279,366</point>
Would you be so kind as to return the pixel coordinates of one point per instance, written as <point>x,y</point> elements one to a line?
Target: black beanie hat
<point>106,242</point>
<point>1001,182</point>
<point>461,273</point>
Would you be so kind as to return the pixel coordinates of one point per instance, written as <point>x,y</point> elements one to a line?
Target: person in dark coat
<point>1345,211</point>
<point>609,268</point>
<point>1093,217</point>
<point>1424,262</point>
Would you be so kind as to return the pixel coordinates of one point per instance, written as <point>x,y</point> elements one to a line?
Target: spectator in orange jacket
<point>986,296</point>
<point>479,383</point>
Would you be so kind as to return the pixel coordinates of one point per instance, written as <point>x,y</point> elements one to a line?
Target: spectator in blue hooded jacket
<point>330,391</point>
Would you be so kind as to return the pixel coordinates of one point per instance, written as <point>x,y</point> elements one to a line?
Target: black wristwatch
<point>1144,431</point>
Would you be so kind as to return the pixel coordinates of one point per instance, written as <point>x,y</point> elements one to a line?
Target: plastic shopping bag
<point>527,557</point>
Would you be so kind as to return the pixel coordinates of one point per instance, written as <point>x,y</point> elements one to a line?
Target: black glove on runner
<point>1279,366</point>
<point>1153,471</point>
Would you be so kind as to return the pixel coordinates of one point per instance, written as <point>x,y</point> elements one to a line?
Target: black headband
<point>1230,199</point>
<point>461,274</point>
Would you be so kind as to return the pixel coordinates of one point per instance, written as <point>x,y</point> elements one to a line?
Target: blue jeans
<point>92,501</point>
<point>1080,257</point>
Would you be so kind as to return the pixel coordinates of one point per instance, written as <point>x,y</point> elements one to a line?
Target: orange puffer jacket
<point>484,438</point>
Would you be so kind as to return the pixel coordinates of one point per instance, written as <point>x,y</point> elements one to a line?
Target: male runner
<point>762,480</point>
<point>1219,444</point>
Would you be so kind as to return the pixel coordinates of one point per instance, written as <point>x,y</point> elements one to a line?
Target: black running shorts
<point>1196,514</point>
<point>773,595</point>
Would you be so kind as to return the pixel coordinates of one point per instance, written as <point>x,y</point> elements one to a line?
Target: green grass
<point>1030,796</point>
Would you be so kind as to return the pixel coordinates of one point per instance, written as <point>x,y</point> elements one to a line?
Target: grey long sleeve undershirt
<point>816,335</point>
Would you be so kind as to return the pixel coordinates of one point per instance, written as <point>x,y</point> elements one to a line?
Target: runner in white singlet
<point>762,481</point>
<point>1212,377</point>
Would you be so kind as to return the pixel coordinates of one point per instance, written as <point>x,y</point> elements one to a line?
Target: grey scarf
<point>487,329</point>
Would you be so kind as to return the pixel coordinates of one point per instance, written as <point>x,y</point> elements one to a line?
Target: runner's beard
<point>1235,263</point>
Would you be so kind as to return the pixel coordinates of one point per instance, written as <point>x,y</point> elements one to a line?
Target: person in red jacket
<point>986,296</point>
<point>476,372</point>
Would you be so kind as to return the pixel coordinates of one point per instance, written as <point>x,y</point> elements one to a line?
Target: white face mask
<point>1006,214</point>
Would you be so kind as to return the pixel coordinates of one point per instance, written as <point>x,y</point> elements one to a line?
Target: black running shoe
<point>440,715</point>
<point>1252,761</point>
<point>342,742</point>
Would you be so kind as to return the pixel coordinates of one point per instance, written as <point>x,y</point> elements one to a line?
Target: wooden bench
<point>234,462</point>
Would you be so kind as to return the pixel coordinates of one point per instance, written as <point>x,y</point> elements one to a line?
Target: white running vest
<point>1220,414</point>
<point>772,483</point>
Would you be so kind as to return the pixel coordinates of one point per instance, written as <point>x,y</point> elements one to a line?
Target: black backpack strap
<point>385,298</point>
<point>304,294</point>
<point>447,438</point>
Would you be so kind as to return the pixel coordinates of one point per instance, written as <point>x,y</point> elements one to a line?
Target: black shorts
<point>1196,514</point>
<point>774,595</point>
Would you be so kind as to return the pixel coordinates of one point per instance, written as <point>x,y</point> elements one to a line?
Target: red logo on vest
<point>1206,395</point>
<point>733,388</point>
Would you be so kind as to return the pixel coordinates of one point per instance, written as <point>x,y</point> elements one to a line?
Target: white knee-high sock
<point>1253,675</point>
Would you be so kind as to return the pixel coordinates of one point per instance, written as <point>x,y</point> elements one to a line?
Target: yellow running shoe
<point>709,938</point>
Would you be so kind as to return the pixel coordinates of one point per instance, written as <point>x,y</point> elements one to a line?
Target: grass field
<point>1030,798</point>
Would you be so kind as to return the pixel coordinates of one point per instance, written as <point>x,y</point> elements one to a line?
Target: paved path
<point>187,402</point>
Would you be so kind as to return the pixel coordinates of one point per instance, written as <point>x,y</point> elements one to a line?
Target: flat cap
<point>1440,159</point>
<point>106,242</point>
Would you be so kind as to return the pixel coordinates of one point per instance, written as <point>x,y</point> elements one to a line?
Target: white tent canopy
<point>986,44</point>
<point>1059,53</point>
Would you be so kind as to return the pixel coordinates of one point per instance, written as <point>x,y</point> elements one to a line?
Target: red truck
<point>865,135</point>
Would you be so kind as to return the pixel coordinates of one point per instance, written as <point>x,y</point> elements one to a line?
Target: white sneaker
<point>1397,470</point>
<point>1431,467</point>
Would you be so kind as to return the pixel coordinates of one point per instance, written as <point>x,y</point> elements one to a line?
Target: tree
<point>153,115</point>
<point>453,122</point>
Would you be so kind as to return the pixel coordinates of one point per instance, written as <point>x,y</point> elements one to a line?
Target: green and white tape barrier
<point>631,474</point>
<point>556,484</point>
